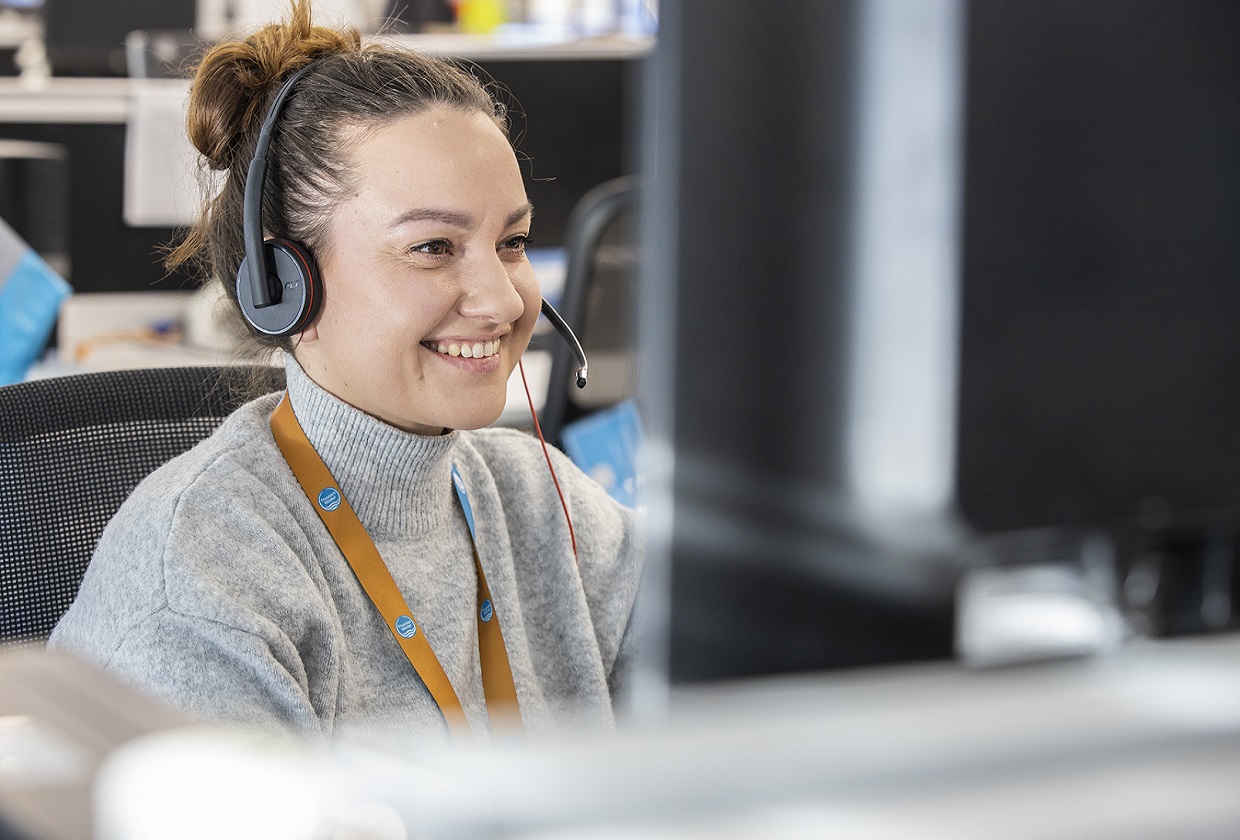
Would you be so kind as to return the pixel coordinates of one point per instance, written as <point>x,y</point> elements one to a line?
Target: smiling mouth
<point>464,349</point>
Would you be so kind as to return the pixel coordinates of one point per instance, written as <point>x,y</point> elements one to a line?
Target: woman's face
<point>428,300</point>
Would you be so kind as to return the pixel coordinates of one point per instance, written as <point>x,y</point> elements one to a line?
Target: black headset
<point>278,285</point>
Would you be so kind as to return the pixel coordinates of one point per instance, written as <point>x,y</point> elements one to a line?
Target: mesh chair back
<point>71,450</point>
<point>600,299</point>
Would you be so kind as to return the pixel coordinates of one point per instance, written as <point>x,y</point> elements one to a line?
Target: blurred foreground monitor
<point>1100,360</point>
<point>1067,397</point>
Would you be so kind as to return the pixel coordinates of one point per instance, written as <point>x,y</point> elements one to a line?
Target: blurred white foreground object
<point>204,784</point>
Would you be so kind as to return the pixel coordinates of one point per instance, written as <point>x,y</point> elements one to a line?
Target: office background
<point>1090,387</point>
<point>1078,345</point>
<point>573,115</point>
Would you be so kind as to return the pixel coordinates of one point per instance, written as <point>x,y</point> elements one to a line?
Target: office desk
<point>87,118</point>
<point>59,719</point>
<point>57,101</point>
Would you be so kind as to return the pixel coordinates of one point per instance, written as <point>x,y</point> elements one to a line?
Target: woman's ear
<point>310,333</point>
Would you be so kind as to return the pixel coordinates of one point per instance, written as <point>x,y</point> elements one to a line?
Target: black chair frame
<point>590,218</point>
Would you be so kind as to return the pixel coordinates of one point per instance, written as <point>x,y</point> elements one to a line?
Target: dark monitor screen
<point>1100,364</point>
<point>87,37</point>
<point>1099,352</point>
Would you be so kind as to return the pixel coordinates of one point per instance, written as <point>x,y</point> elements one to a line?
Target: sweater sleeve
<point>198,595</point>
<point>213,672</point>
<point>610,560</point>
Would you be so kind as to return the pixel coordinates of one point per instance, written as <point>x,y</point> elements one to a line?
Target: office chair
<point>71,450</point>
<point>600,296</point>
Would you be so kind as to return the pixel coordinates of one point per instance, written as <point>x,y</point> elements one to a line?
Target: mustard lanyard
<point>359,550</point>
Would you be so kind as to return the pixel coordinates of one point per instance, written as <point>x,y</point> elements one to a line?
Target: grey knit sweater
<point>217,588</point>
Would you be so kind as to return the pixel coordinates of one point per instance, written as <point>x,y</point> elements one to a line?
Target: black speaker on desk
<point>34,197</point>
<point>1101,354</point>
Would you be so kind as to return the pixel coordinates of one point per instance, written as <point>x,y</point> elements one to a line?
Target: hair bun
<point>236,78</point>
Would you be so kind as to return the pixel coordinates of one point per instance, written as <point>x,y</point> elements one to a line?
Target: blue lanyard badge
<point>463,497</point>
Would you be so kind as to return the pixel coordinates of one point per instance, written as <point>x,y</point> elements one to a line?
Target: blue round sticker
<point>405,627</point>
<point>487,610</point>
<point>329,499</point>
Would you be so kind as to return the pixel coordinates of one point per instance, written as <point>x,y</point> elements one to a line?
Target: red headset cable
<point>537,428</point>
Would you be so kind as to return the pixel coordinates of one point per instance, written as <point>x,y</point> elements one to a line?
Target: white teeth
<point>477,350</point>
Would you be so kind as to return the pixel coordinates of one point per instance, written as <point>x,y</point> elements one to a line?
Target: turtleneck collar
<point>398,482</point>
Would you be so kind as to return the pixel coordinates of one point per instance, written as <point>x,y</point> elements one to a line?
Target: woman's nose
<point>490,294</point>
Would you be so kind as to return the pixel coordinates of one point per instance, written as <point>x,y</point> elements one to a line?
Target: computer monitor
<point>86,38</point>
<point>1100,356</point>
<point>1094,341</point>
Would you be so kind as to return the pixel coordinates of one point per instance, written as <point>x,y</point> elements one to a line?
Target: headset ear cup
<point>299,295</point>
<point>306,271</point>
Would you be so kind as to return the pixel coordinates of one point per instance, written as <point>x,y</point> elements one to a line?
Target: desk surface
<point>57,100</point>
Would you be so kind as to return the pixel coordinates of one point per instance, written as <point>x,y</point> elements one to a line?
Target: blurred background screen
<point>1101,283</point>
<point>87,37</point>
<point>1094,386</point>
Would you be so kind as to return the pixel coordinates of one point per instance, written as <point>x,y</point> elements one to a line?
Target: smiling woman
<point>362,554</point>
<point>401,280</point>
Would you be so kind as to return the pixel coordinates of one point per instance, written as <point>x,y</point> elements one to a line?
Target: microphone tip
<point>581,379</point>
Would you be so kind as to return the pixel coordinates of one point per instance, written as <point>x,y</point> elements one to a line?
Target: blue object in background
<point>550,266</point>
<point>30,297</point>
<point>605,446</point>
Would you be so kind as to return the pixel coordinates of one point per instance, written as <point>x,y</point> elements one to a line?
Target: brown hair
<point>353,86</point>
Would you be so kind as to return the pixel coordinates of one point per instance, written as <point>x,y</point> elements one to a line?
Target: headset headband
<point>261,291</point>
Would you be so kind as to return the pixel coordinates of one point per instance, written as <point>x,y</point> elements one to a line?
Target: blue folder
<point>605,445</point>
<point>30,297</point>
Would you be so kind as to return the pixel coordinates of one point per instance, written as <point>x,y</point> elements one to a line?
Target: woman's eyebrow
<point>520,213</point>
<point>454,218</point>
<point>434,214</point>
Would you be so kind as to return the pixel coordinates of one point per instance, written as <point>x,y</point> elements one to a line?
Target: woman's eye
<point>435,248</point>
<point>516,245</point>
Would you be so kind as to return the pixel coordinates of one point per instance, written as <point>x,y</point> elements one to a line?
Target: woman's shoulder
<point>183,530</point>
<point>233,464</point>
<point>240,448</point>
